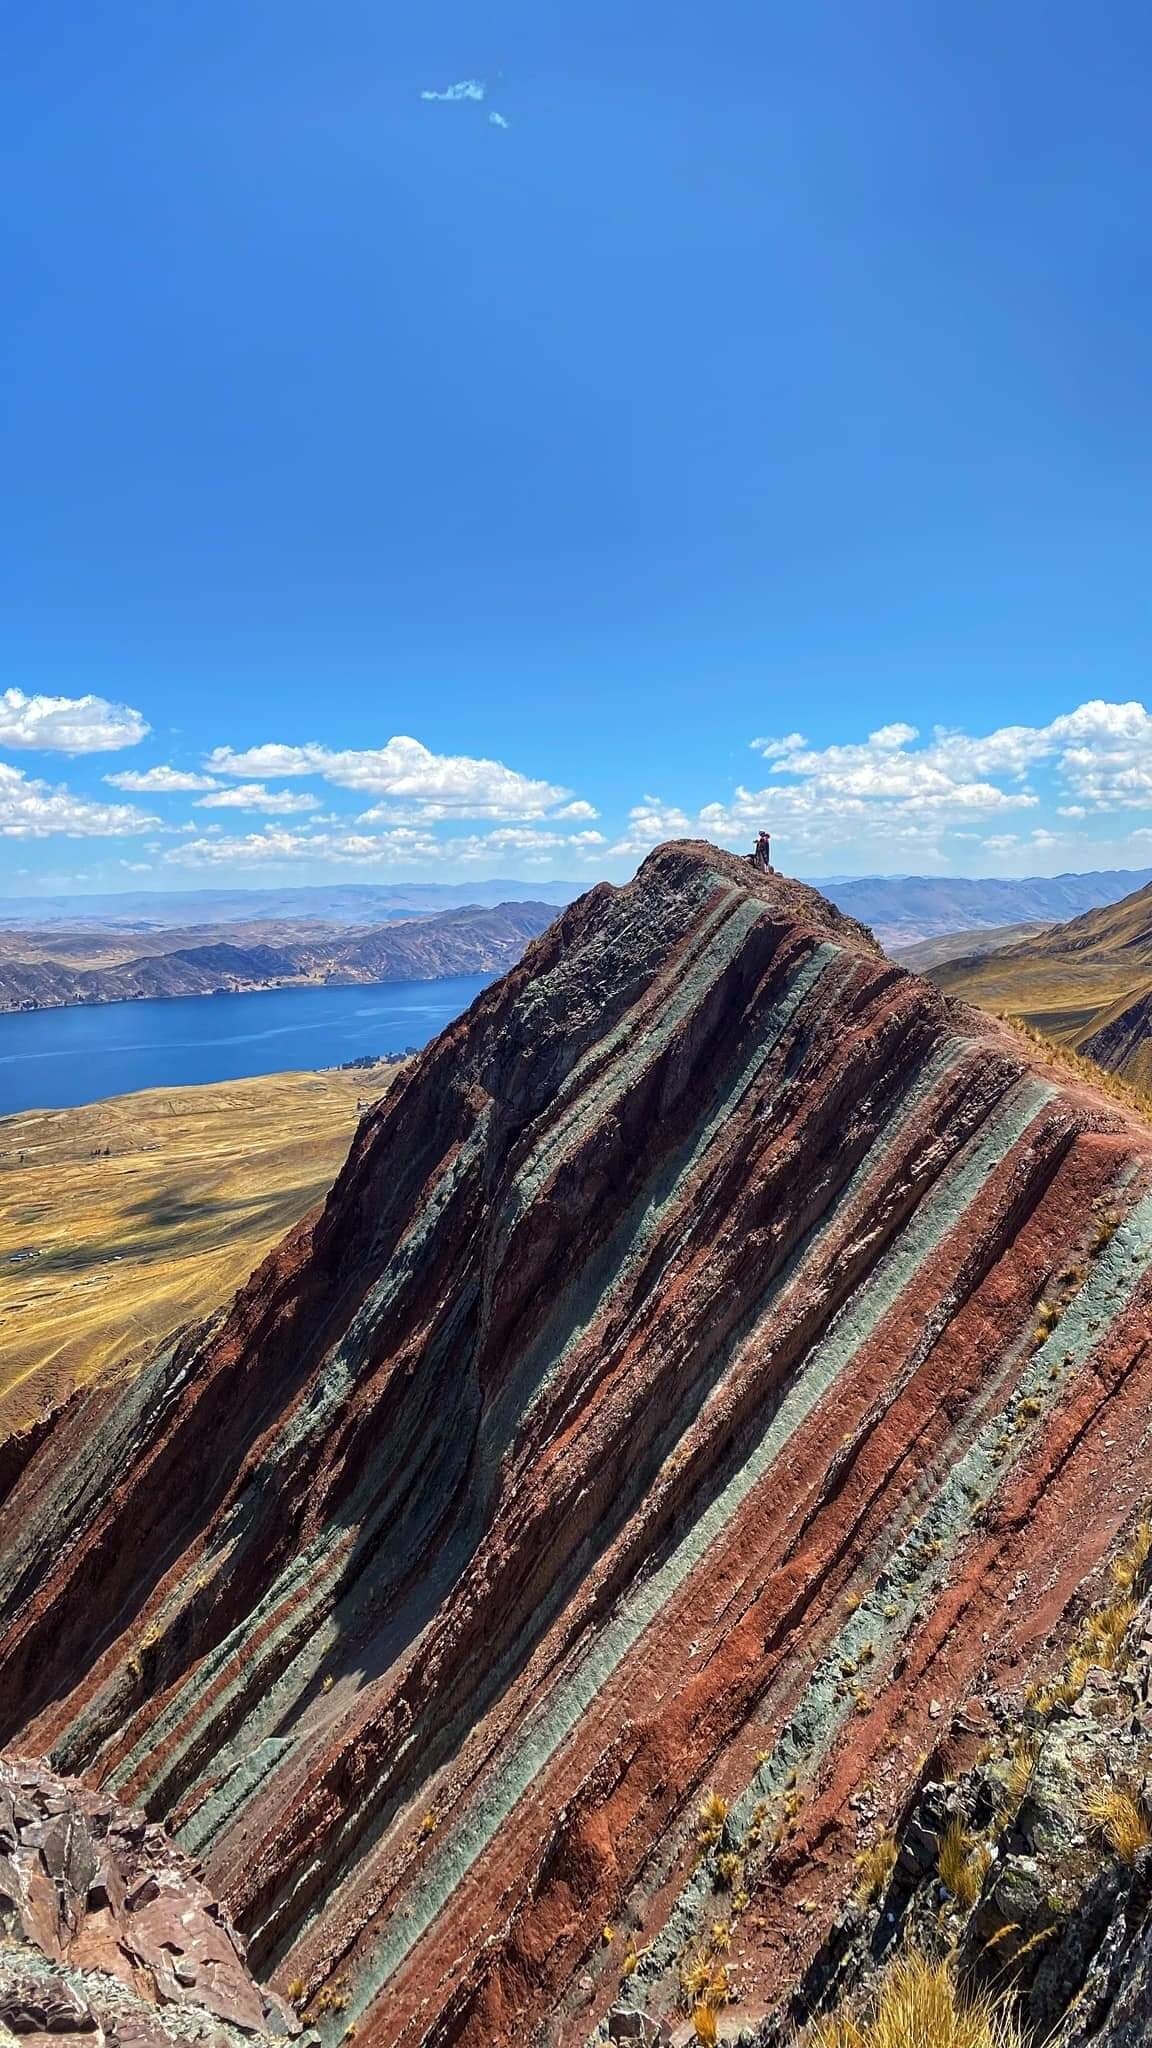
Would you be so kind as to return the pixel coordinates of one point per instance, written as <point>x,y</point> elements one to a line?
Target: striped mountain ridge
<point>721,1358</point>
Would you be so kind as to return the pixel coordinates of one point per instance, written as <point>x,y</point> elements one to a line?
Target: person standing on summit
<point>762,857</point>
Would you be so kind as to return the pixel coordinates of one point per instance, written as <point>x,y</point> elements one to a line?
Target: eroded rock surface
<point>107,1929</point>
<point>721,1361</point>
<point>1044,1799</point>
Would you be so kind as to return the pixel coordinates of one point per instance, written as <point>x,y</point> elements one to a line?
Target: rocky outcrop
<point>469,941</point>
<point>1022,1857</point>
<point>721,1360</point>
<point>107,1929</point>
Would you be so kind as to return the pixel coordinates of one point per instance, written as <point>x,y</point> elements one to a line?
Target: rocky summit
<point>707,1409</point>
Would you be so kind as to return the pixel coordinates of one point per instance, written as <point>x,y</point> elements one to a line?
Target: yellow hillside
<point>1085,983</point>
<point>123,1219</point>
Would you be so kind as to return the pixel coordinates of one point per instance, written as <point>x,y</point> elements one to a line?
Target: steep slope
<point>1121,1038</point>
<point>1087,983</point>
<point>719,1357</point>
<point>1022,1859</point>
<point>473,940</point>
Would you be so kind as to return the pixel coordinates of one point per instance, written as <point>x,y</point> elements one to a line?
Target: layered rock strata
<point>720,1357</point>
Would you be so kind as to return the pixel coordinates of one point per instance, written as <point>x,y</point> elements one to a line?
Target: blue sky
<point>430,496</point>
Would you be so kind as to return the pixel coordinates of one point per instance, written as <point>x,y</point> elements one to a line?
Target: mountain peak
<point>694,1384</point>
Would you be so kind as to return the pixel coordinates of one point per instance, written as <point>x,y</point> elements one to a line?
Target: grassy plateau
<point>125,1218</point>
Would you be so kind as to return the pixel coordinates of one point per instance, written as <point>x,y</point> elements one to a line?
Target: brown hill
<point>474,940</point>
<point>721,1365</point>
<point>1086,983</point>
<point>926,954</point>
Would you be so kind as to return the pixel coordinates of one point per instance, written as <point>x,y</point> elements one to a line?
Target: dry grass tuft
<point>704,2025</point>
<point>1121,1817</point>
<point>703,1980</point>
<point>711,1817</point>
<point>1104,1631</point>
<point>1105,1231</point>
<point>1103,1634</point>
<point>920,2006</point>
<point>1021,1768</point>
<point>962,1861</point>
<point>1084,1070</point>
<point>874,1867</point>
<point>1127,1568</point>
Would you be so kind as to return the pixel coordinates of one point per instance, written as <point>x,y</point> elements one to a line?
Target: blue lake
<point>51,1059</point>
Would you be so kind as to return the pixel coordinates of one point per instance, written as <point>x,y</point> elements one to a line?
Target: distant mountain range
<point>343,903</point>
<point>477,939</point>
<point>902,909</point>
<point>1087,983</point>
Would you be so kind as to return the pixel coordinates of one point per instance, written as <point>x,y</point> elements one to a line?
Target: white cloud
<point>137,867</point>
<point>1106,758</point>
<point>896,793</point>
<point>68,725</point>
<point>649,823</point>
<point>466,89</point>
<point>407,773</point>
<point>30,809</point>
<point>402,845</point>
<point>944,775</point>
<point>277,844</point>
<point>157,781</point>
<point>252,796</point>
<point>517,839</point>
<point>579,809</point>
<point>1101,754</point>
<point>497,121</point>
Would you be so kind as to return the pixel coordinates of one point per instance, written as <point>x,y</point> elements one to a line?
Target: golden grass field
<point>145,1211</point>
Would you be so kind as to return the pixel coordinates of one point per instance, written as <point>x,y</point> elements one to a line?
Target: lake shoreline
<point>74,1054</point>
<point>286,985</point>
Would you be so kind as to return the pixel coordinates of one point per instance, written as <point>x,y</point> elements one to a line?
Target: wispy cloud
<point>466,89</point>
<point>160,779</point>
<point>252,796</point>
